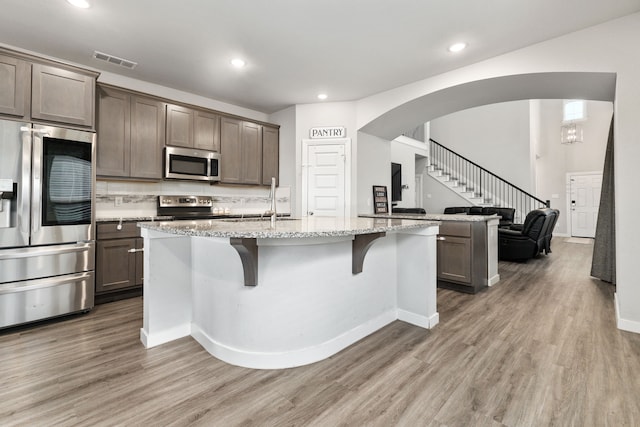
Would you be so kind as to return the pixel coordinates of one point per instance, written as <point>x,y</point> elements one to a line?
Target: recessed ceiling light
<point>322,96</point>
<point>457,47</point>
<point>238,63</point>
<point>84,4</point>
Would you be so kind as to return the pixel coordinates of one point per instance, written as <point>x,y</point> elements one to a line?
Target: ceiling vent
<point>114,60</point>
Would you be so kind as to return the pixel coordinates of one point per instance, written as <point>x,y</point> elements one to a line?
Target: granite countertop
<point>171,217</point>
<point>286,228</point>
<point>135,218</point>
<point>434,217</point>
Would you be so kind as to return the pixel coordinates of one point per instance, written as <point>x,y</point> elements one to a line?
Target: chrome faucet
<point>272,202</point>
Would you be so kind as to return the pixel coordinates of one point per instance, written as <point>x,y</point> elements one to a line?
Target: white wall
<point>374,168</point>
<point>607,48</point>
<point>555,160</point>
<point>325,114</point>
<point>437,196</point>
<point>494,136</point>
<point>534,137</point>
<point>406,156</point>
<point>287,151</point>
<point>548,161</point>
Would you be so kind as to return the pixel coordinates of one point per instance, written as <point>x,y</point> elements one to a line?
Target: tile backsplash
<point>126,199</point>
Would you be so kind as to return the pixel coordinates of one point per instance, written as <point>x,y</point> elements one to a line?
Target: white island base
<point>307,304</point>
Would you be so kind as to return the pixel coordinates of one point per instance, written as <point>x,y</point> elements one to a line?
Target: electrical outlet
<point>118,201</point>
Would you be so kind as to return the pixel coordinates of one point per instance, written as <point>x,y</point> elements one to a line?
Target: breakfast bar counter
<point>270,296</point>
<point>467,249</point>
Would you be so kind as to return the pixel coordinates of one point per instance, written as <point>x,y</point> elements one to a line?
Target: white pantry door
<point>585,201</point>
<point>324,179</point>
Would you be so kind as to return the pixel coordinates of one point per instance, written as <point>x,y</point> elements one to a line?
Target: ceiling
<point>294,49</point>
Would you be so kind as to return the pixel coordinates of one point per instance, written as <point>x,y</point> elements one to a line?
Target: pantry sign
<point>328,132</point>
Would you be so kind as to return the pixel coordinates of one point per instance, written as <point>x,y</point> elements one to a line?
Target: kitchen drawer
<point>109,230</point>
<point>453,228</point>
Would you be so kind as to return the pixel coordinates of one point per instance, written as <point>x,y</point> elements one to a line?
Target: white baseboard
<point>152,340</point>
<point>293,358</point>
<point>493,280</point>
<point>419,320</point>
<point>623,324</point>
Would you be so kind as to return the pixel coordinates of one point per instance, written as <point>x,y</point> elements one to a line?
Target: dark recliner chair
<point>506,214</point>
<point>457,210</point>
<point>408,210</point>
<point>521,242</point>
<point>549,233</point>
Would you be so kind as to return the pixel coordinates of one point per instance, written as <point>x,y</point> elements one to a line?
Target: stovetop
<point>186,207</point>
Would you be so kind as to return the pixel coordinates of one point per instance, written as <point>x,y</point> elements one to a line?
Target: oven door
<point>62,200</point>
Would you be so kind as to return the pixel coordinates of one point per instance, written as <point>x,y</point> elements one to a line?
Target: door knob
<point>310,212</point>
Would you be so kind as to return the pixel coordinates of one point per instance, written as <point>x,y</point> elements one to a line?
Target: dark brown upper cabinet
<point>241,151</point>
<point>15,75</point>
<point>191,128</point>
<point>62,96</point>
<point>270,154</point>
<point>130,135</point>
<point>43,91</point>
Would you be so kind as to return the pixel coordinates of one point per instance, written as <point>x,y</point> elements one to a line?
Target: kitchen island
<point>467,249</point>
<point>269,296</point>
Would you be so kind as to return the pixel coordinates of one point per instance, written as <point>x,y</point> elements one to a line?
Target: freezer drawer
<point>44,261</point>
<point>31,300</point>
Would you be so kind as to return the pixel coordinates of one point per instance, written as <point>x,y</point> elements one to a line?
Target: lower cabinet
<point>463,256</point>
<point>119,260</point>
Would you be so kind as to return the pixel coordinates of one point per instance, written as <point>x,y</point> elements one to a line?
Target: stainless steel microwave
<point>191,164</point>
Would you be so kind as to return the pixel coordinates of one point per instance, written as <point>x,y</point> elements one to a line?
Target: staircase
<point>476,184</point>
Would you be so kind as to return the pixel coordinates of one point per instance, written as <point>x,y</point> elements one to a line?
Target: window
<point>574,110</point>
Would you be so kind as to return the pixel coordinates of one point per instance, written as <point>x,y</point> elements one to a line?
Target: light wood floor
<point>539,348</point>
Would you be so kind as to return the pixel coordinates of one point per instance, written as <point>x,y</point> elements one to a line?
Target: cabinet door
<point>251,149</point>
<point>115,265</point>
<point>114,125</point>
<point>179,126</point>
<point>63,96</point>
<point>230,151</point>
<point>454,259</point>
<point>270,153</point>
<point>147,137</point>
<point>206,131</point>
<point>14,87</point>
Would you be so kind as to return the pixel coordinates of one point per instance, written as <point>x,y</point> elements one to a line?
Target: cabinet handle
<point>133,251</point>
<point>440,238</point>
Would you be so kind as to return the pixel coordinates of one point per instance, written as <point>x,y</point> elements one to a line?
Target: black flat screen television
<point>396,182</point>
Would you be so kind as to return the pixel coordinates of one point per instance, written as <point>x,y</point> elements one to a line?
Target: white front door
<point>584,202</point>
<point>324,183</point>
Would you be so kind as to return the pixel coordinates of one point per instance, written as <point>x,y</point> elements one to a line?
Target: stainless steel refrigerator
<point>47,222</point>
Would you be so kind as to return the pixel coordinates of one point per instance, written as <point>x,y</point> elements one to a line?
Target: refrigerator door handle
<point>24,186</point>
<point>36,190</point>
